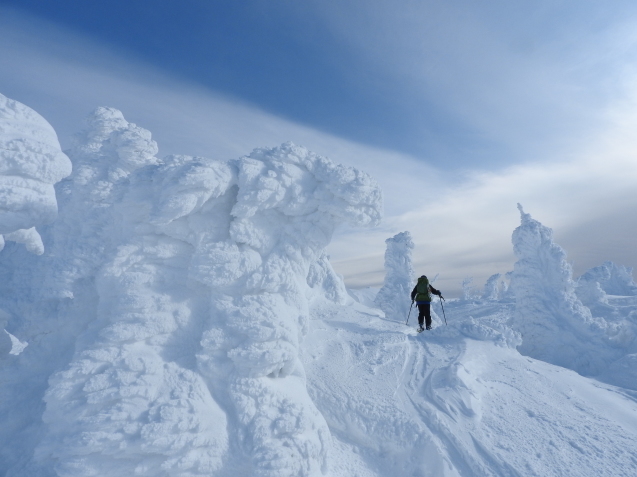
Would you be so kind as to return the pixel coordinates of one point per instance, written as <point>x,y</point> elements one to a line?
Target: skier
<point>422,295</point>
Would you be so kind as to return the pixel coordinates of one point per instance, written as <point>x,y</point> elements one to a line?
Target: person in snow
<point>421,294</point>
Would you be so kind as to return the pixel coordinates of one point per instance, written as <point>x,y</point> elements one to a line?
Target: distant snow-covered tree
<point>394,297</point>
<point>31,162</point>
<point>555,326</point>
<point>607,279</point>
<point>493,287</point>
<point>322,278</point>
<point>467,288</point>
<point>507,290</point>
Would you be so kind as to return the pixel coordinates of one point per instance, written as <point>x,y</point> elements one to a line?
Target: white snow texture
<point>31,161</point>
<point>184,320</point>
<point>555,325</point>
<point>176,301</point>
<point>394,296</point>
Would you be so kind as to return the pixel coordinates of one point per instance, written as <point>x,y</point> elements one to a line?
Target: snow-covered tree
<point>31,162</point>
<point>467,289</point>
<point>325,281</point>
<point>394,296</point>
<point>493,287</point>
<point>166,333</point>
<point>608,279</point>
<point>554,324</point>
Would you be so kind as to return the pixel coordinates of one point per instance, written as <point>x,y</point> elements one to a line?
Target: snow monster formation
<point>176,299</point>
<point>494,287</point>
<point>596,284</point>
<point>325,282</point>
<point>31,161</point>
<point>394,296</point>
<point>555,326</point>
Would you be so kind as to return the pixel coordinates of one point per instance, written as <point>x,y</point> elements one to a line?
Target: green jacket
<point>423,290</point>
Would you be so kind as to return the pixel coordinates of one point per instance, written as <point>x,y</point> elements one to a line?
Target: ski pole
<point>443,309</point>
<point>412,304</point>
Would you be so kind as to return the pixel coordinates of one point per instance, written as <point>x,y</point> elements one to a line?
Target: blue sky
<point>406,76</point>
<point>461,109</point>
<point>277,55</point>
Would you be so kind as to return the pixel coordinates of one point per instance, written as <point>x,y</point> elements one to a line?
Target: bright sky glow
<point>459,110</point>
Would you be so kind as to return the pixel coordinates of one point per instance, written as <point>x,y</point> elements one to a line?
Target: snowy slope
<point>459,401</point>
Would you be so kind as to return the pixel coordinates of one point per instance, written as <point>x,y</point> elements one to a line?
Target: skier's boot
<point>420,328</point>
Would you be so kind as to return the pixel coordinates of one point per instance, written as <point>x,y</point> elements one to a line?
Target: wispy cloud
<point>461,224</point>
<point>588,198</point>
<point>503,82</point>
<point>64,76</point>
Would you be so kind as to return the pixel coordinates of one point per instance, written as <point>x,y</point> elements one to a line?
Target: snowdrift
<point>459,400</point>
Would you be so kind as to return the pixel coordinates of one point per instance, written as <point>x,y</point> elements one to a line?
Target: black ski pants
<point>424,311</point>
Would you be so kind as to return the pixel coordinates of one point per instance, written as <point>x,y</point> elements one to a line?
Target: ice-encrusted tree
<point>175,301</point>
<point>288,204</point>
<point>493,287</point>
<point>31,162</point>
<point>467,289</point>
<point>394,296</point>
<point>325,281</point>
<point>607,279</point>
<point>555,326</point>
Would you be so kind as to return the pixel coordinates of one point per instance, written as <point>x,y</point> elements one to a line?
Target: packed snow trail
<point>458,401</point>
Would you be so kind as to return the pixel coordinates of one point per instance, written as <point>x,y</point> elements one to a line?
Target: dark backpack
<point>422,290</point>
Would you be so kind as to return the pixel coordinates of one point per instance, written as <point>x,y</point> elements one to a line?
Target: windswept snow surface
<point>459,400</point>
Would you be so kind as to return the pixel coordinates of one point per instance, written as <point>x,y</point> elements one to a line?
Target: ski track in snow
<point>443,404</point>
